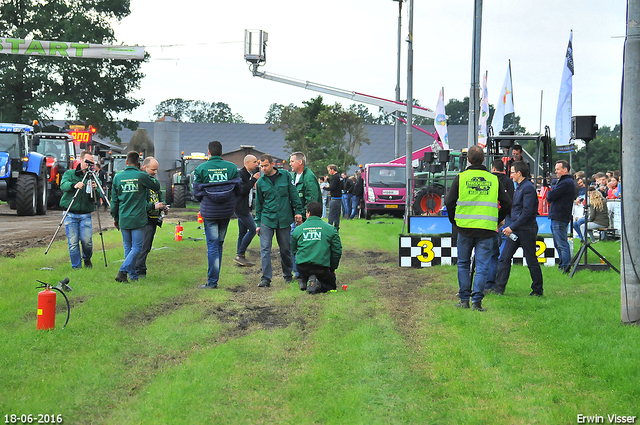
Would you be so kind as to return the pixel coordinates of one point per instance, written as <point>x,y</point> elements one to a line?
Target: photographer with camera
<point>77,222</point>
<point>156,209</point>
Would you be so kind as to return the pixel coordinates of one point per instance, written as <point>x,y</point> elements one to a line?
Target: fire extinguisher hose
<point>47,286</point>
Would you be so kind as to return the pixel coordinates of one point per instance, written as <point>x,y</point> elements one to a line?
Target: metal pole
<point>396,135</point>
<point>630,284</point>
<point>409,140</point>
<point>474,95</point>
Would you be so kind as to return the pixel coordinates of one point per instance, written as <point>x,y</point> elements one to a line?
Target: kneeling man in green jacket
<point>318,249</point>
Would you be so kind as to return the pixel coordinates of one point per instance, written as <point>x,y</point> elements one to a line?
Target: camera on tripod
<point>90,164</point>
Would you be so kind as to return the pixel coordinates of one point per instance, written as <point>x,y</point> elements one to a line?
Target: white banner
<point>505,103</point>
<point>15,46</point>
<point>440,123</point>
<point>484,114</point>
<point>563,113</point>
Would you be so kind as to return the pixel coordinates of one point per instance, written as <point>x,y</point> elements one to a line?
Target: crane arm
<point>388,106</point>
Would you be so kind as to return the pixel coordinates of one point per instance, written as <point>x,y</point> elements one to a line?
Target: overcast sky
<point>197,52</point>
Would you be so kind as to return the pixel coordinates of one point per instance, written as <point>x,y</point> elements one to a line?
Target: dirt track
<point>19,233</point>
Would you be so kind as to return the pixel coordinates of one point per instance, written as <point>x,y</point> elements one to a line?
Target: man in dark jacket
<point>560,199</point>
<point>216,186</point>
<point>77,221</point>
<point>155,207</point>
<point>318,249</point>
<point>277,206</point>
<point>347,194</point>
<point>358,192</point>
<point>476,203</point>
<point>129,198</point>
<point>249,174</point>
<point>497,169</point>
<point>525,228</point>
<point>335,193</point>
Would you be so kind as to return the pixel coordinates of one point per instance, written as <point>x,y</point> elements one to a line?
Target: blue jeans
<point>324,207</point>
<point>283,236</point>
<point>346,204</point>
<point>493,263</point>
<point>483,247</point>
<point>215,231</point>
<point>559,232</point>
<point>355,201</point>
<point>246,232</point>
<point>132,239</point>
<point>79,231</point>
<point>147,243</point>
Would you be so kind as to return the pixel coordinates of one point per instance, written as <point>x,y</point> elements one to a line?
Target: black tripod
<point>586,243</point>
<point>91,176</point>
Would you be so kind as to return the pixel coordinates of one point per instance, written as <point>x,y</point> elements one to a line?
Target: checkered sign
<point>425,251</point>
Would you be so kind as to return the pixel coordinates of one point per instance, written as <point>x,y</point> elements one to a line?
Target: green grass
<point>390,349</point>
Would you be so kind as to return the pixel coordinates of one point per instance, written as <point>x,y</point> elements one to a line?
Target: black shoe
<point>208,286</point>
<point>493,290</point>
<point>264,284</point>
<point>463,304</point>
<point>288,279</point>
<point>478,306</point>
<point>241,260</point>
<point>313,285</point>
<point>88,264</point>
<point>535,294</point>
<point>302,284</point>
<point>122,277</point>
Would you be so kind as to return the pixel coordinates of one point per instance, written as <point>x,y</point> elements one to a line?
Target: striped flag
<point>505,103</point>
<point>484,114</point>
<point>563,113</point>
<point>440,123</point>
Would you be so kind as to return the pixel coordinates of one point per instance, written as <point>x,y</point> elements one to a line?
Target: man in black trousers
<point>525,227</point>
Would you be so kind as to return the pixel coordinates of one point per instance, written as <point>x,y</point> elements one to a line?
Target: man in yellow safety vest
<point>476,203</point>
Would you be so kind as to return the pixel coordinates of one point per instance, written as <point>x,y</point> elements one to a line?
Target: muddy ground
<point>19,233</point>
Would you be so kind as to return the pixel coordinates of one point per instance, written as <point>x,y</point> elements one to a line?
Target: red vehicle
<point>385,189</point>
<point>60,153</point>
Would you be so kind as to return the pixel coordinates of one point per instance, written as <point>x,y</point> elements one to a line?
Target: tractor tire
<point>26,194</point>
<point>43,193</point>
<point>168,195</point>
<point>179,196</point>
<point>367,214</point>
<point>428,200</point>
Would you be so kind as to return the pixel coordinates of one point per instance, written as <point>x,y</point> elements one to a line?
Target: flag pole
<point>513,118</point>
<point>540,125</point>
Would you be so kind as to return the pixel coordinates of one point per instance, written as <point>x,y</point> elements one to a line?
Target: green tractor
<point>180,189</point>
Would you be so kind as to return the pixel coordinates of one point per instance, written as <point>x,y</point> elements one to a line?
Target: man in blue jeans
<point>249,175</point>
<point>560,199</point>
<point>476,203</point>
<point>216,185</point>
<point>77,221</point>
<point>129,198</point>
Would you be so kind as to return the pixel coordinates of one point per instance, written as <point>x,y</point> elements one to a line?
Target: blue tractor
<point>23,173</point>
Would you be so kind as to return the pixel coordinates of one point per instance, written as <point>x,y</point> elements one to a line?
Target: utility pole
<point>409,141</point>
<point>630,284</point>
<point>396,137</point>
<point>474,95</point>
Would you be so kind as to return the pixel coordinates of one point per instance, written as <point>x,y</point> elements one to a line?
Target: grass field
<point>390,349</point>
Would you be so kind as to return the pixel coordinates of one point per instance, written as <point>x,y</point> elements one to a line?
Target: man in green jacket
<point>129,197</point>
<point>318,249</point>
<point>277,201</point>
<point>77,221</point>
<point>307,185</point>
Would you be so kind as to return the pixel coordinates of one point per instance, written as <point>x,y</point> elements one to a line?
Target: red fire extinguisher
<point>179,230</point>
<point>46,312</point>
<point>200,220</point>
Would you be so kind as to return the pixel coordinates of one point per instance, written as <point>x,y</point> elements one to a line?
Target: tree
<point>274,112</point>
<point>325,134</point>
<point>196,111</point>
<point>92,91</point>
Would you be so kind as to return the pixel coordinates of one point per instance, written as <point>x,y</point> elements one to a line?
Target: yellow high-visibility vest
<point>477,205</point>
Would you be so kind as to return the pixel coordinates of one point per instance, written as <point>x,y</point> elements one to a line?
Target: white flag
<point>505,103</point>
<point>440,122</point>
<point>484,114</point>
<point>563,113</point>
